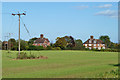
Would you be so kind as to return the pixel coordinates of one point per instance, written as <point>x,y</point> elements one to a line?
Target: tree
<point>65,42</point>
<point>106,40</point>
<point>4,45</point>
<point>12,44</point>
<point>60,42</point>
<point>70,41</point>
<point>79,44</point>
<point>0,44</point>
<point>23,45</point>
<point>31,41</point>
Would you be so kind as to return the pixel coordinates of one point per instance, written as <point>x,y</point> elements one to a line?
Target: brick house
<point>42,42</point>
<point>94,43</point>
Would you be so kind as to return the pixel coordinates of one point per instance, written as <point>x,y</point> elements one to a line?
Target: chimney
<point>91,37</point>
<point>41,36</point>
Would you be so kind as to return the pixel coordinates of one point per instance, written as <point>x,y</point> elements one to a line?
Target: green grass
<point>60,64</point>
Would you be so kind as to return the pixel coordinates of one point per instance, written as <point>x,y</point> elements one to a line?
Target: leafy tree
<point>4,45</point>
<point>31,41</point>
<point>23,44</point>
<point>106,40</point>
<point>70,41</point>
<point>61,42</point>
<point>65,42</point>
<point>12,44</point>
<point>79,44</point>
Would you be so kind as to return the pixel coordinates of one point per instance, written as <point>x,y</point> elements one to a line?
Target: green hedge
<point>107,50</point>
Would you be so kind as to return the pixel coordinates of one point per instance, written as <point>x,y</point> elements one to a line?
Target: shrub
<point>31,47</point>
<point>53,48</point>
<point>48,48</point>
<point>114,73</point>
<point>57,48</point>
<point>108,50</point>
<point>86,48</point>
<point>32,56</point>
<point>39,48</point>
<point>22,56</point>
<point>94,49</point>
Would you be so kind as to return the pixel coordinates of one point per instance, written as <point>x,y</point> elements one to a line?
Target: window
<point>103,44</point>
<point>98,44</point>
<point>85,44</point>
<point>40,44</point>
<point>103,47</point>
<point>94,41</point>
<point>99,48</point>
<point>90,44</point>
<point>94,47</point>
<point>90,48</point>
<point>90,41</point>
<point>94,44</point>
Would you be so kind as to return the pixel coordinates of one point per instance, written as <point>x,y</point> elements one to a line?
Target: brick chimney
<point>41,36</point>
<point>91,37</point>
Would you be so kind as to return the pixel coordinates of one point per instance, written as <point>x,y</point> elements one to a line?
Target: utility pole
<point>19,30</point>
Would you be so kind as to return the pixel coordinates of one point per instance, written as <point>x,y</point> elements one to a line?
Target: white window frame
<point>90,44</point>
<point>94,41</point>
<point>98,44</point>
<point>94,44</point>
<point>85,44</point>
<point>90,48</point>
<point>99,48</point>
<point>90,41</point>
<point>103,47</point>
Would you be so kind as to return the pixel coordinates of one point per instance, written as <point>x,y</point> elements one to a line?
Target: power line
<point>25,27</point>
<point>5,13</point>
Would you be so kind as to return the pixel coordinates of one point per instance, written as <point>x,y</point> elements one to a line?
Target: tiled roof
<point>41,40</point>
<point>98,41</point>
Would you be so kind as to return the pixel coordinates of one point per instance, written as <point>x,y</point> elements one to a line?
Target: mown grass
<point>60,64</point>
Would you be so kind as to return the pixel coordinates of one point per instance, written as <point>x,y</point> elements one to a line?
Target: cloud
<point>81,7</point>
<point>105,6</point>
<point>110,13</point>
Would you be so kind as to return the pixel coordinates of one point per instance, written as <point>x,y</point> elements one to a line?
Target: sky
<point>58,19</point>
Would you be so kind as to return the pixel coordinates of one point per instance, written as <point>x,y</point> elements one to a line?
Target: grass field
<point>60,64</point>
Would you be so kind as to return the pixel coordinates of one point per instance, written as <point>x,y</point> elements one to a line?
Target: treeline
<point>62,43</point>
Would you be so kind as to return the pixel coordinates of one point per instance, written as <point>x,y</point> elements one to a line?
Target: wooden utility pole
<point>19,30</point>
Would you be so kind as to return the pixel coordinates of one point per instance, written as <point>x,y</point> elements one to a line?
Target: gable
<point>41,40</point>
<point>93,41</point>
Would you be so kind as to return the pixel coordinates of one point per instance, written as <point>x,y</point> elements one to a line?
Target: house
<point>42,41</point>
<point>94,43</point>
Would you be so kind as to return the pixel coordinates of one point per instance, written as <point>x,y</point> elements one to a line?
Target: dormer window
<point>94,41</point>
<point>90,41</point>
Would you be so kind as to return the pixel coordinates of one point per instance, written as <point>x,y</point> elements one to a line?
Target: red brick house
<point>94,43</point>
<point>42,42</point>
